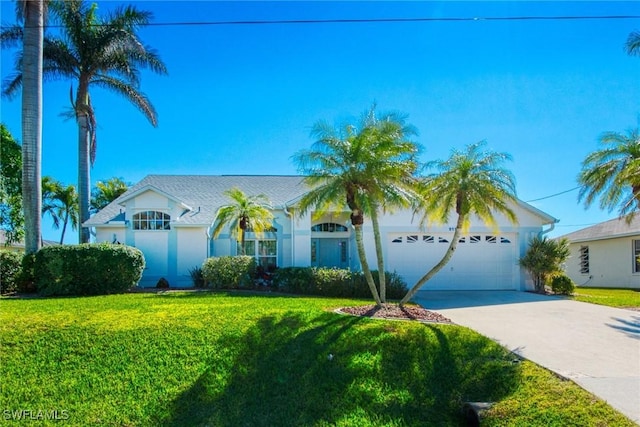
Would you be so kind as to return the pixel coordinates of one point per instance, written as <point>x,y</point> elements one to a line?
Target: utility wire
<point>380,20</point>
<point>355,21</point>
<point>554,195</point>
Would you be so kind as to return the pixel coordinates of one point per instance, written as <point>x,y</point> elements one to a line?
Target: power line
<point>554,195</point>
<point>382,20</point>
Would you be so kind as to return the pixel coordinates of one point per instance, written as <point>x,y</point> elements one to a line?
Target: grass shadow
<point>296,371</point>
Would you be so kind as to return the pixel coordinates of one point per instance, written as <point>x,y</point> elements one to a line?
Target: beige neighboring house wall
<point>605,255</point>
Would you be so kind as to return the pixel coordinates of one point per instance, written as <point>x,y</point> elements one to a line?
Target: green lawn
<point>258,360</point>
<point>607,296</point>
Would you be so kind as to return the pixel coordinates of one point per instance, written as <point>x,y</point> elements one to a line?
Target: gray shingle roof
<point>613,228</point>
<point>205,194</point>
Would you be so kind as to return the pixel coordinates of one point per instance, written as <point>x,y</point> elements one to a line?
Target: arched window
<point>330,227</point>
<point>151,220</point>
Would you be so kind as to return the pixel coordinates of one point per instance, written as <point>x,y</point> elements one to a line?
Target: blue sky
<point>240,99</point>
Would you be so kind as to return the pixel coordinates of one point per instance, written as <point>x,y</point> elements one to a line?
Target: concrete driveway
<point>595,346</point>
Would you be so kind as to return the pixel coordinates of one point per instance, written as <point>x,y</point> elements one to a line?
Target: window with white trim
<point>151,220</point>
<point>264,251</point>
<point>636,256</point>
<point>584,259</point>
<point>329,227</point>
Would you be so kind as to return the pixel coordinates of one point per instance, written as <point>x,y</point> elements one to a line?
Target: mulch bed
<point>394,311</point>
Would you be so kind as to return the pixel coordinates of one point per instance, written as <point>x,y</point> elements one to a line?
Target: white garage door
<point>480,262</point>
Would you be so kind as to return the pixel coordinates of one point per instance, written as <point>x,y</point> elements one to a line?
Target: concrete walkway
<point>595,346</point>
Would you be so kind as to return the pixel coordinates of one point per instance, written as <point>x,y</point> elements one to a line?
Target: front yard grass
<point>623,298</point>
<point>233,359</point>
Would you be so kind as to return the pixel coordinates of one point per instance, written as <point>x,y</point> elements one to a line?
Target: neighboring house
<point>18,246</point>
<point>170,219</point>
<point>606,254</point>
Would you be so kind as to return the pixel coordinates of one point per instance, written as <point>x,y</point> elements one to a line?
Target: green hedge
<point>10,271</point>
<point>229,272</point>
<point>87,269</point>
<point>334,282</point>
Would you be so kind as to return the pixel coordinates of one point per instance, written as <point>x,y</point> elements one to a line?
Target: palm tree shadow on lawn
<point>290,370</point>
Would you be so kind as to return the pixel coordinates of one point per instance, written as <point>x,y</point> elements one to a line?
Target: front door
<point>330,253</point>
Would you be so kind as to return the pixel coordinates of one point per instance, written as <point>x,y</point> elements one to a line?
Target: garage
<point>482,261</point>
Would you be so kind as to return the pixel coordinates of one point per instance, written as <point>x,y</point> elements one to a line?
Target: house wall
<point>405,221</point>
<point>611,264</point>
<point>191,251</point>
<point>172,253</point>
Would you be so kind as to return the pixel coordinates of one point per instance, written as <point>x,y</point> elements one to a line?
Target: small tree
<point>243,214</point>
<point>544,259</point>
<point>105,192</point>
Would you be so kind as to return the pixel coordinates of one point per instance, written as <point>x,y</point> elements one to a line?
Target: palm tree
<point>364,168</point>
<point>613,173</point>
<point>97,52</point>
<point>392,167</point>
<point>106,192</point>
<point>61,203</point>
<point>32,12</point>
<point>545,258</point>
<point>471,182</point>
<point>632,46</point>
<point>244,213</point>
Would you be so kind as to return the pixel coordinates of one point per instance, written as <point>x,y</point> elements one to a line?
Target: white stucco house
<point>170,217</point>
<point>606,254</point>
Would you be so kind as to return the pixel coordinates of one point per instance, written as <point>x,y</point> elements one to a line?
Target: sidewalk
<point>597,347</point>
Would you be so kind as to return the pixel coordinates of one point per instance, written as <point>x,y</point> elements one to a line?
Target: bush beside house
<point>10,271</point>
<point>230,272</point>
<point>333,282</point>
<point>87,269</point>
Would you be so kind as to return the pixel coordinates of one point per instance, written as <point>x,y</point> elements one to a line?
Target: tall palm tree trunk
<point>32,123</point>
<point>445,259</point>
<point>365,265</point>
<point>379,254</point>
<point>84,160</point>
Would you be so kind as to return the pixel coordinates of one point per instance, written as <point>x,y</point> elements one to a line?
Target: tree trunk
<point>379,254</point>
<point>84,159</point>
<point>32,123</point>
<point>64,227</point>
<point>365,265</point>
<point>445,259</point>
<point>242,240</point>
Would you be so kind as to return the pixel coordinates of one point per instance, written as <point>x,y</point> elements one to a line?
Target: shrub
<point>196,277</point>
<point>395,286</point>
<point>333,282</point>
<point>296,280</point>
<point>562,284</point>
<point>229,272</point>
<point>87,269</point>
<point>10,271</point>
<point>162,283</point>
<point>27,282</point>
